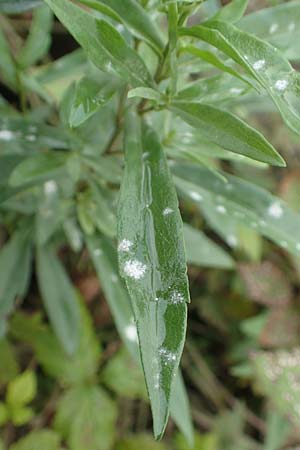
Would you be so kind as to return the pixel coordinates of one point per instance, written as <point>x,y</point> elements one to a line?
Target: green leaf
<point>278,428</point>
<point>103,43</point>
<point>38,168</point>
<point>7,65</point>
<point>21,390</point>
<point>37,440</point>
<point>9,366</point>
<point>228,131</point>
<point>69,370</point>
<point>123,376</point>
<point>147,93</point>
<point>18,6</point>
<point>94,424</point>
<point>279,24</point>
<point>15,263</point>
<point>39,38</point>
<point>260,60</point>
<point>4,415</point>
<point>105,260</point>
<point>203,252</point>
<point>232,12</point>
<point>133,16</point>
<point>152,262</point>
<point>242,201</point>
<point>21,415</point>
<point>89,98</point>
<point>59,298</point>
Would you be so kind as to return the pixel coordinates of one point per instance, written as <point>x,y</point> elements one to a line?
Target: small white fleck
<point>275,210</point>
<point>196,196</point>
<point>176,298</point>
<point>131,333</point>
<point>30,138</point>
<point>114,278</point>
<point>262,223</point>
<point>281,85</point>
<point>50,187</point>
<point>108,66</point>
<point>167,355</point>
<point>221,209</point>
<point>259,64</point>
<point>135,269</point>
<point>145,155</point>
<point>298,246</point>
<point>291,26</point>
<point>235,90</point>
<point>6,135</point>
<point>232,240</point>
<point>273,28</point>
<point>125,245</point>
<point>167,211</point>
<point>97,252</point>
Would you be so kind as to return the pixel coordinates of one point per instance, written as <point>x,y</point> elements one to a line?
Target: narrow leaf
<point>104,45</point>
<point>18,6</point>
<point>59,299</point>
<point>105,260</point>
<point>133,16</point>
<point>228,131</point>
<point>152,261</point>
<point>260,60</point>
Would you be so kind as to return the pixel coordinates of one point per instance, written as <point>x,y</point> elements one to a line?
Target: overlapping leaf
<point>103,43</point>
<point>152,261</point>
<point>243,202</point>
<point>260,60</point>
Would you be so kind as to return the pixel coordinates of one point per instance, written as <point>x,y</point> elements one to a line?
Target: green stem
<point>173,38</point>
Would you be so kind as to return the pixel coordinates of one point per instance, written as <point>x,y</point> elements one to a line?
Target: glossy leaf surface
<point>105,260</point>
<point>104,45</point>
<point>228,131</point>
<point>152,261</point>
<point>260,60</point>
<point>243,202</point>
<point>133,16</point>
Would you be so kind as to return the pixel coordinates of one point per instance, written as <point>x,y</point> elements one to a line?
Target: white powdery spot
<point>259,64</point>
<point>176,298</point>
<point>131,333</point>
<point>221,209</point>
<point>235,90</point>
<point>273,28</point>
<point>50,187</point>
<point>167,355</point>
<point>281,85</point>
<point>125,245</point>
<point>167,211</point>
<point>283,244</point>
<point>232,240</point>
<point>275,210</point>
<point>196,196</point>
<point>291,26</point>
<point>114,278</point>
<point>97,252</point>
<point>6,135</point>
<point>298,246</point>
<point>134,269</point>
<point>30,138</point>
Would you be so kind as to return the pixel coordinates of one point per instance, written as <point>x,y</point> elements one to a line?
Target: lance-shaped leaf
<point>59,298</point>
<point>133,16</point>
<point>104,45</point>
<point>104,257</point>
<point>244,202</point>
<point>152,261</point>
<point>228,131</point>
<point>260,60</point>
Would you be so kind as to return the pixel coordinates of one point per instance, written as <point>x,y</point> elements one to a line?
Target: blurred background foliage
<point>241,363</point>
